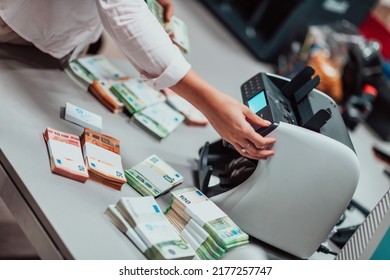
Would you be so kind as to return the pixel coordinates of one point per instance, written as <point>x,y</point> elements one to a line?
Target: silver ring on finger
<point>243,150</point>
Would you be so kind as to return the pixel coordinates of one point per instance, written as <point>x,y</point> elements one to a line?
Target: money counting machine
<point>291,200</point>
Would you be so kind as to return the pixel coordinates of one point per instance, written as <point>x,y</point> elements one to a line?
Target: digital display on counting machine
<point>257,102</point>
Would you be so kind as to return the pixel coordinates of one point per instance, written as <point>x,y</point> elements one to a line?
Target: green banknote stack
<point>136,95</point>
<point>153,177</point>
<point>156,236</point>
<point>87,69</point>
<point>191,204</point>
<point>159,120</point>
<point>200,240</point>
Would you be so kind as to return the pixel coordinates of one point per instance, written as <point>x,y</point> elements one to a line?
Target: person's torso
<point>54,26</point>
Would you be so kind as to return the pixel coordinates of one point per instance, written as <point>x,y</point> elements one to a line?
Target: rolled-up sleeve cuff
<point>175,71</point>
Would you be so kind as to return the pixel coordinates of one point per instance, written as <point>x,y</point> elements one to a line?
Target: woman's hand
<point>168,9</point>
<point>230,118</point>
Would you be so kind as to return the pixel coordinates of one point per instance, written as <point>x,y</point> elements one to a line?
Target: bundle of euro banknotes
<point>158,113</point>
<point>97,75</point>
<point>192,115</point>
<point>153,177</point>
<point>148,107</point>
<point>136,95</point>
<point>65,154</point>
<point>141,219</point>
<point>95,156</point>
<point>159,120</point>
<point>208,230</point>
<point>102,158</point>
<point>101,89</point>
<point>85,70</point>
<point>176,28</point>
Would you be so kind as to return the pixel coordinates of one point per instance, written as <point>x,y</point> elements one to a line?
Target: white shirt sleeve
<point>144,41</point>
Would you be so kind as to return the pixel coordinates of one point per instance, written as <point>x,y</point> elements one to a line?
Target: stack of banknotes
<point>180,34</point>
<point>117,91</point>
<point>101,89</point>
<point>192,115</point>
<point>199,239</point>
<point>153,177</point>
<point>97,74</point>
<point>136,95</point>
<point>102,158</point>
<point>141,219</point>
<point>176,28</point>
<point>210,230</point>
<point>65,154</point>
<point>85,70</point>
<point>159,120</point>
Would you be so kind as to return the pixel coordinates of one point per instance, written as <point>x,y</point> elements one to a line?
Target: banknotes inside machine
<point>203,224</point>
<point>102,158</point>
<point>141,220</point>
<point>153,177</point>
<point>65,154</point>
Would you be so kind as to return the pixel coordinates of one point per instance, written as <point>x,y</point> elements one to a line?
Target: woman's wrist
<point>198,92</point>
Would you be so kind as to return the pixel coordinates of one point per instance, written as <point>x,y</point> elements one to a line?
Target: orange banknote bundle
<point>102,158</point>
<point>101,90</point>
<point>66,158</point>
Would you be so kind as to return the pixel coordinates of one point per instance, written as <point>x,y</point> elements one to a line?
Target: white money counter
<point>64,219</point>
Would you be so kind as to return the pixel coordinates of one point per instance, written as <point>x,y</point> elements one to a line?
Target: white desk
<point>63,218</point>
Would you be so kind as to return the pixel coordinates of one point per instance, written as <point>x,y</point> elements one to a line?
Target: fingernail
<point>267,122</point>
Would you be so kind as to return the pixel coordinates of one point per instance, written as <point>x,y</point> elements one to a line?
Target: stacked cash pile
<point>136,95</point>
<point>87,69</point>
<point>144,223</point>
<point>101,89</point>
<point>153,177</point>
<point>180,34</point>
<point>79,74</point>
<point>97,74</point>
<point>66,158</point>
<point>193,207</point>
<point>159,120</point>
<point>192,115</point>
<point>176,28</point>
<point>102,158</point>
<point>199,239</point>
<point>90,68</point>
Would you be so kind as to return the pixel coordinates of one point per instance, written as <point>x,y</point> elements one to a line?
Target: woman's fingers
<point>255,119</point>
<point>248,149</point>
<point>168,9</point>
